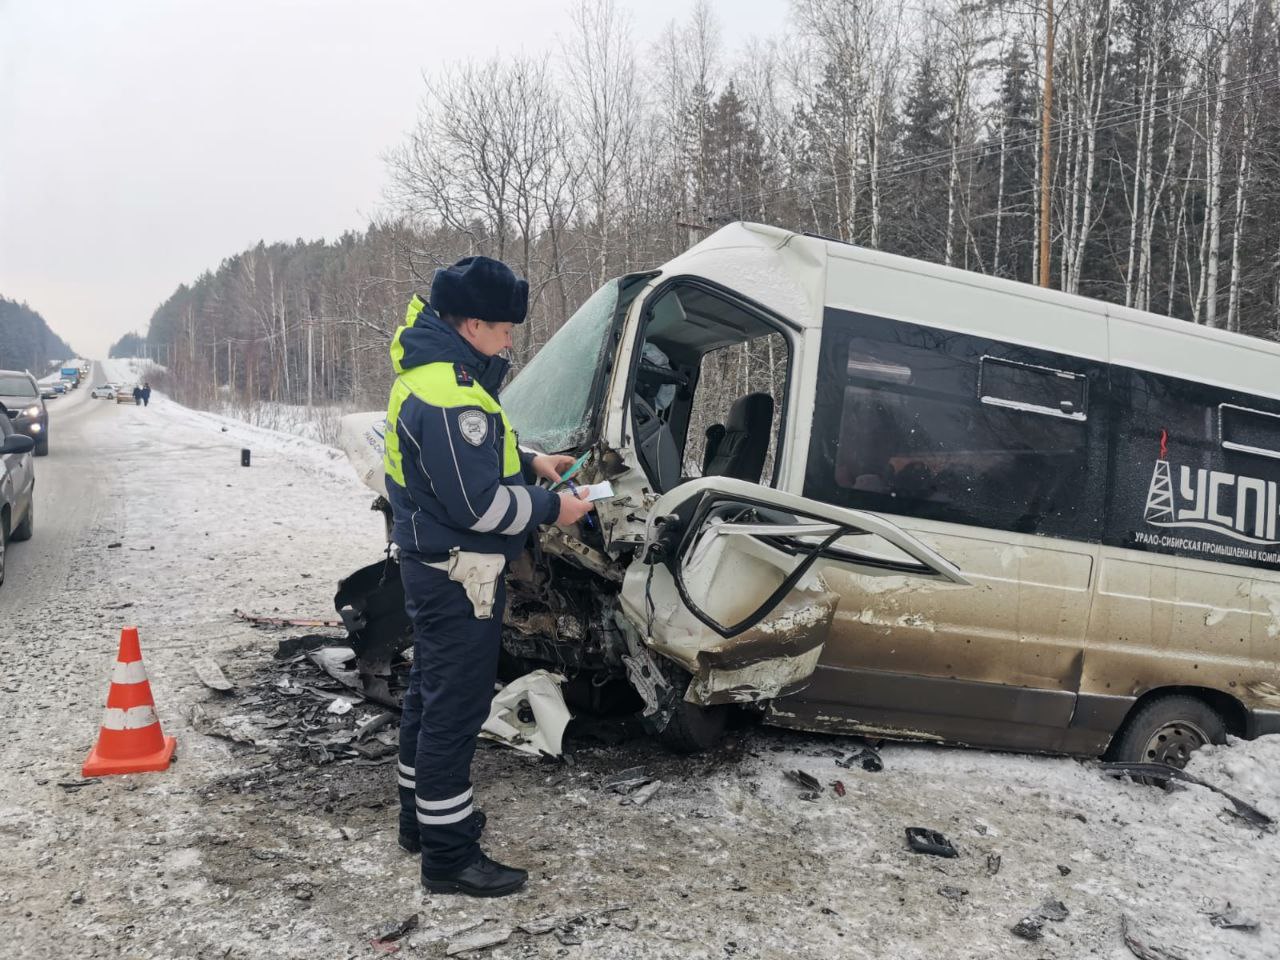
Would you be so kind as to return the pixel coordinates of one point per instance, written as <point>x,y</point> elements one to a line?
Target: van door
<point>734,585</point>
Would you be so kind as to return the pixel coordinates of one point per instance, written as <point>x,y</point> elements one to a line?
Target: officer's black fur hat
<point>480,287</point>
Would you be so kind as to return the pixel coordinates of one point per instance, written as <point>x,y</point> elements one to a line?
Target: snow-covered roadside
<point>237,853</point>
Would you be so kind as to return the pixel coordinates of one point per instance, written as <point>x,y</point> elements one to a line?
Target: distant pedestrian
<point>146,394</point>
<point>137,394</point>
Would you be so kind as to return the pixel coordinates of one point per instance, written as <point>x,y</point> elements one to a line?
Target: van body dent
<point>860,493</point>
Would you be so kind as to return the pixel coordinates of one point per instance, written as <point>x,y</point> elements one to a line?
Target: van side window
<point>918,421</point>
<point>1032,389</point>
<point>1249,431</point>
<point>1196,470</point>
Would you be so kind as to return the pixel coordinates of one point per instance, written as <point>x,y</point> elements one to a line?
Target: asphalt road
<point>72,484</point>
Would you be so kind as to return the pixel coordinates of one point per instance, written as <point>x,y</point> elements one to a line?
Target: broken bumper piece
<point>529,714</point>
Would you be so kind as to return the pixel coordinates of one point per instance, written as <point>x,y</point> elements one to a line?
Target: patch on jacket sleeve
<point>462,375</point>
<point>473,425</point>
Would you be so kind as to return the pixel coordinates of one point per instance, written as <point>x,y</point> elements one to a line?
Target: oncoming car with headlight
<point>20,395</point>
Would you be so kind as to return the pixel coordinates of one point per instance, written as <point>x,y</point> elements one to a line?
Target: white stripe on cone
<point>135,718</point>
<point>133,672</point>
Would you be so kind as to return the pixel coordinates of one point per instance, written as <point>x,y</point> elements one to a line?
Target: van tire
<point>1167,729</point>
<point>693,728</point>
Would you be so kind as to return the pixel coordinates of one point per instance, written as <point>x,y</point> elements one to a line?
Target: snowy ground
<point>246,851</point>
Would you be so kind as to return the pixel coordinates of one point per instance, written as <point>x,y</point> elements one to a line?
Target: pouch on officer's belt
<point>478,573</point>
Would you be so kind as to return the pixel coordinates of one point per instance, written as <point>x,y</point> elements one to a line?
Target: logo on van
<point>1243,508</point>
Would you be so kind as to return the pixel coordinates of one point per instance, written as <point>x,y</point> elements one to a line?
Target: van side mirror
<point>17,443</point>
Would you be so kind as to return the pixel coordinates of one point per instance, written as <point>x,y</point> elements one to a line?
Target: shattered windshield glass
<point>549,401</point>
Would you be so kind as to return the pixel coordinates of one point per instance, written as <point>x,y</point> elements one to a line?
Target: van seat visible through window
<point>739,447</point>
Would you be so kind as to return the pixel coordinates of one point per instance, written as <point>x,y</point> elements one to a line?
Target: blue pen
<point>587,520</point>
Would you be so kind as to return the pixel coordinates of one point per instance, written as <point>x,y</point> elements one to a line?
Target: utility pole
<point>694,229</point>
<point>1045,128</point>
<point>311,329</point>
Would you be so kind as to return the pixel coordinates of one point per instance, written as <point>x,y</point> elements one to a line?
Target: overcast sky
<point>141,141</point>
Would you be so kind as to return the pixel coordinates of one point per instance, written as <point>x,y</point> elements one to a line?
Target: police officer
<point>464,501</point>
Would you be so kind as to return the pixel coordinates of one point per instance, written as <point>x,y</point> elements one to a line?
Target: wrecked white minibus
<point>860,493</point>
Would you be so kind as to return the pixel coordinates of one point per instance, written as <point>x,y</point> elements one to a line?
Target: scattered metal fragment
<point>1143,950</point>
<point>806,781</point>
<point>953,893</point>
<point>1053,910</point>
<point>263,621</point>
<point>1064,869</point>
<point>238,729</point>
<point>333,661</point>
<point>1230,918</point>
<point>113,546</point>
<point>924,840</point>
<point>339,706</point>
<point>211,675</point>
<point>292,647</point>
<point>77,897</point>
<point>627,781</point>
<point>868,758</point>
<point>993,864</point>
<point>539,925</point>
<point>480,940</point>
<point>1162,771</point>
<point>389,942</point>
<point>643,795</point>
<point>371,726</point>
<point>77,784</point>
<point>1028,928</point>
<point>838,787</point>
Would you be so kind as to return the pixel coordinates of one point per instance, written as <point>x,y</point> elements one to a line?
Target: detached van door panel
<point>741,596</point>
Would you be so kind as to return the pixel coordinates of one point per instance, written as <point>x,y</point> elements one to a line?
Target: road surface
<point>277,849</point>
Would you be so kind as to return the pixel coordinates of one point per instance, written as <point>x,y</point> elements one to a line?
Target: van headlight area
<point>31,412</point>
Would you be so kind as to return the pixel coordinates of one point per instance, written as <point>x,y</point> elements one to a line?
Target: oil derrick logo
<point>1160,496</point>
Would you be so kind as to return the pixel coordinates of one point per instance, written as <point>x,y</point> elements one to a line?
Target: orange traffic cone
<point>130,740</point>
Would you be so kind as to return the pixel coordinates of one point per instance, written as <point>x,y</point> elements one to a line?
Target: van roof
<point>800,275</point>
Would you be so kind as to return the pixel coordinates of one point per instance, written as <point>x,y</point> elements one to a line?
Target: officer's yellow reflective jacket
<point>455,476</point>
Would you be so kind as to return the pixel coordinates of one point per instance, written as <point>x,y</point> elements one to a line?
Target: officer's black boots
<point>484,878</point>
<point>411,841</point>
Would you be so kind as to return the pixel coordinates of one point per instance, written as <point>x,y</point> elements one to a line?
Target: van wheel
<point>693,728</point>
<point>1168,729</point>
<point>42,446</point>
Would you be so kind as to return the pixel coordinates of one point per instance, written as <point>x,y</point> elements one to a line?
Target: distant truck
<point>71,375</point>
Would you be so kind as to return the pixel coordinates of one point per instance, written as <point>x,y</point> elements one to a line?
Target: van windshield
<point>549,401</point>
<point>17,387</point>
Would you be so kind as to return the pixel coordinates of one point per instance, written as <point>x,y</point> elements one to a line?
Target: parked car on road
<point>858,493</point>
<point>20,394</point>
<point>124,393</point>
<point>17,487</point>
<point>106,390</point>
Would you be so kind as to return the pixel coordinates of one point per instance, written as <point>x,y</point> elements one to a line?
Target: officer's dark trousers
<point>455,663</point>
